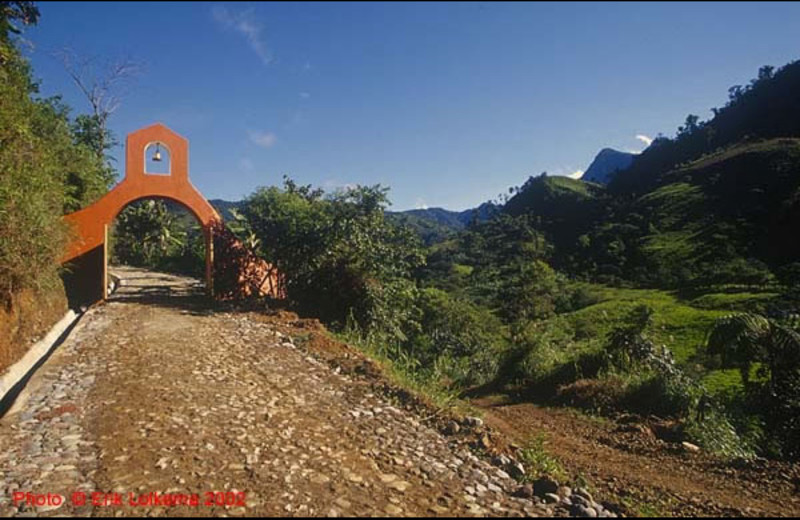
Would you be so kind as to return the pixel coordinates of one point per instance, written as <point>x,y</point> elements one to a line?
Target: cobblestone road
<point>154,394</point>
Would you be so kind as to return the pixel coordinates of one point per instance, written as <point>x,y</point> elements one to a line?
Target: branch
<point>102,90</point>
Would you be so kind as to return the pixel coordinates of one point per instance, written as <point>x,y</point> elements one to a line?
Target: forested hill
<point>431,224</point>
<point>767,108</point>
<point>224,207</point>
<point>437,224</point>
<point>717,203</point>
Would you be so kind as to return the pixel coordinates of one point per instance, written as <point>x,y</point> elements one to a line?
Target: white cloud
<point>420,204</point>
<point>263,139</point>
<point>643,138</point>
<point>244,23</point>
<point>566,172</point>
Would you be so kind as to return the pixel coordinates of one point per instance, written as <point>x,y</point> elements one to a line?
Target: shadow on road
<point>161,290</point>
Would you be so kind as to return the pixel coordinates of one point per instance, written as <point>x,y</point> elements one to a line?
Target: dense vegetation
<point>159,235</point>
<point>598,297</point>
<point>47,167</point>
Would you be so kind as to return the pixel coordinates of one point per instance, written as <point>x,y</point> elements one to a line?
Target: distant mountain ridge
<point>607,164</point>
<point>454,219</point>
<point>432,224</point>
<point>224,207</point>
<point>438,224</point>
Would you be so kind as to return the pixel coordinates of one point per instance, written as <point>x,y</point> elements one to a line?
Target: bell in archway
<point>157,155</point>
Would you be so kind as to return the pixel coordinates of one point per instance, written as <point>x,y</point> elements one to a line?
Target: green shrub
<point>716,434</point>
<point>43,171</point>
<point>661,395</point>
<point>340,257</point>
<point>539,462</point>
<point>146,235</point>
<point>468,340</point>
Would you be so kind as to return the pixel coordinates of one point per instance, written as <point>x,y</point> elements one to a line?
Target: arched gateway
<point>86,277</point>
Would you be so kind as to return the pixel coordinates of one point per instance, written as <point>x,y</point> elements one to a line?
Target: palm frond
<point>738,338</point>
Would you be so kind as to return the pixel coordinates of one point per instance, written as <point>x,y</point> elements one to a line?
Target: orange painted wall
<point>88,226</point>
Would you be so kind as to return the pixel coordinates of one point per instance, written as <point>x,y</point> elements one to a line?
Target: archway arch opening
<point>85,260</point>
<point>158,234</point>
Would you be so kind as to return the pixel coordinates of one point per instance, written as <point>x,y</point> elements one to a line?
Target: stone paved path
<point>153,393</point>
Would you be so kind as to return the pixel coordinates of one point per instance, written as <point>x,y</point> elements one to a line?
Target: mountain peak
<point>606,165</point>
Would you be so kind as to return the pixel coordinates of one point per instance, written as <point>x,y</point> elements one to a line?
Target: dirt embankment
<point>26,320</point>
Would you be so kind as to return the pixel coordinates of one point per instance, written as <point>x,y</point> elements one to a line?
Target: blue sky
<point>449,104</point>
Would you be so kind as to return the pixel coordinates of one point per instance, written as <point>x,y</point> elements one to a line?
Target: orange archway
<point>87,255</point>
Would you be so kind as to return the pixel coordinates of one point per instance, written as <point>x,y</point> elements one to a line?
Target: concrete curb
<point>20,370</point>
<point>14,379</point>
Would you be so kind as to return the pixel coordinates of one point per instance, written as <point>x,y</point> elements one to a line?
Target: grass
<point>569,185</point>
<point>744,301</point>
<point>719,381</point>
<point>680,324</point>
<point>643,509</point>
<point>786,145</point>
<point>403,371</point>
<point>462,270</point>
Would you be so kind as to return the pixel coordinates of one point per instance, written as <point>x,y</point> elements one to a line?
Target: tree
<point>38,161</point>
<point>690,126</point>
<point>103,86</point>
<point>342,260</point>
<point>765,73</point>
<point>735,93</point>
<point>25,13</point>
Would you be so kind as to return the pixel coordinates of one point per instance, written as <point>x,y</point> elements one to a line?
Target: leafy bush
<point>44,172</point>
<point>539,462</point>
<point>146,234</point>
<point>465,340</point>
<point>716,434</point>
<point>745,341</point>
<point>342,260</point>
<point>660,394</point>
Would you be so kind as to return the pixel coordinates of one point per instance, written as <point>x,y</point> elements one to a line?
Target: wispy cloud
<point>336,185</point>
<point>420,204</point>
<point>643,138</point>
<point>263,139</point>
<point>243,23</point>
<point>305,95</point>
